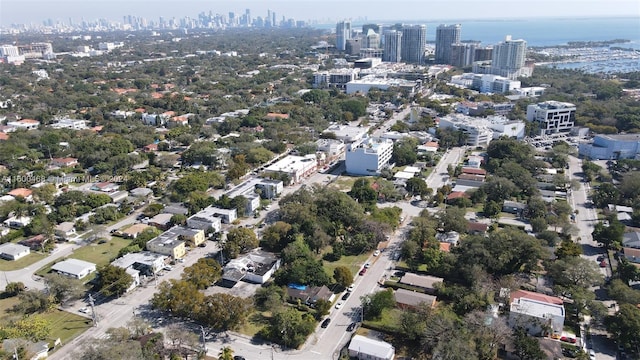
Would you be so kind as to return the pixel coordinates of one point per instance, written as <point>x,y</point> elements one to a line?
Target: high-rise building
<point>392,46</point>
<point>367,27</point>
<point>372,40</point>
<point>462,54</point>
<point>508,57</point>
<point>353,46</point>
<point>483,53</point>
<point>446,36</point>
<point>343,33</point>
<point>414,42</point>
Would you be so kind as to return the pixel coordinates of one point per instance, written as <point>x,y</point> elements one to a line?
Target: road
<point>585,221</point>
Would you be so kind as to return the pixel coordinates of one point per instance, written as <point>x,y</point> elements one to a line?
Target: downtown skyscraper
<point>446,37</point>
<point>414,42</point>
<point>508,58</point>
<point>392,46</point>
<point>343,33</point>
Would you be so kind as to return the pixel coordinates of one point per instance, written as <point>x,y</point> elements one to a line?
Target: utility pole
<point>94,317</point>
<point>204,341</point>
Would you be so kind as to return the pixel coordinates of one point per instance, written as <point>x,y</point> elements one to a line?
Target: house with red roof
<point>64,162</point>
<point>25,193</point>
<point>538,314</point>
<point>474,171</point>
<point>277,116</point>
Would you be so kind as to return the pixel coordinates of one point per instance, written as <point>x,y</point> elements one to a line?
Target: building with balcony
<point>552,116</point>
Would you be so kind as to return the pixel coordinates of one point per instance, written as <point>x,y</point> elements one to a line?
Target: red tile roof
<point>24,192</point>
<point>446,247</point>
<point>4,136</point>
<point>457,195</point>
<point>467,170</point>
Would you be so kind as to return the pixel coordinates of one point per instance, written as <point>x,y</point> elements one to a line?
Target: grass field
<point>99,254</point>
<point>255,321</point>
<point>390,320</point>
<point>8,265</point>
<point>64,325</point>
<point>352,262</point>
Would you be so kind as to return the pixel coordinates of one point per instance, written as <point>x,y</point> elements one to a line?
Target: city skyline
<point>36,11</point>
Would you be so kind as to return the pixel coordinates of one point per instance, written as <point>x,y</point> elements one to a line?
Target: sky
<point>35,11</point>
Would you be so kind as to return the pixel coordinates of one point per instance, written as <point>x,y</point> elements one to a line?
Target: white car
<point>376,253</point>
<point>339,304</point>
<point>366,265</point>
<point>351,287</point>
<point>592,355</point>
<point>83,310</point>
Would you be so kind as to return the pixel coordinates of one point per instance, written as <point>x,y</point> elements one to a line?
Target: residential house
<point>407,299</point>
<point>35,243</point>
<point>209,219</point>
<point>64,162</point>
<point>150,148</point>
<point>428,147</point>
<point>364,348</point>
<point>141,192</point>
<point>37,350</point>
<point>309,294</point>
<point>105,187</point>
<point>26,124</point>
<point>11,251</point>
<point>24,193</point>
<point>65,230</point>
<point>74,268</point>
<point>631,246</point>
<point>255,267</point>
<point>451,237</point>
<point>425,282</point>
<point>276,116</point>
<point>514,207</point>
<point>474,171</point>
<point>538,314</point>
<point>17,222</point>
<point>161,221</point>
<point>146,262</point>
<point>118,196</point>
<point>192,237</point>
<point>477,228</point>
<point>134,230</point>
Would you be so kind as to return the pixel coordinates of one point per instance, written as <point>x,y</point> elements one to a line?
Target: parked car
<point>351,326</point>
<point>346,295</point>
<point>363,271</point>
<point>600,258</point>
<point>351,287</point>
<point>376,253</point>
<point>366,265</point>
<point>603,263</point>
<point>325,323</point>
<point>339,304</point>
<point>83,310</point>
<point>592,355</point>
<point>238,357</point>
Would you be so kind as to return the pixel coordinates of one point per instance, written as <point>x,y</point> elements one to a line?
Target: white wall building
<point>369,156</point>
<point>552,116</point>
<point>69,124</point>
<point>296,167</point>
<point>365,84</point>
<point>208,219</point>
<point>537,316</point>
<point>74,268</point>
<point>364,348</point>
<point>481,131</point>
<point>346,133</point>
<point>493,84</point>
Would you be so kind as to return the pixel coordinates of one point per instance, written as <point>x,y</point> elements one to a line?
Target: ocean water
<point>537,32</point>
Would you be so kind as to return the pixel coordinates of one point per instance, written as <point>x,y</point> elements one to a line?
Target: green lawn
<point>344,182</point>
<point>8,265</point>
<point>254,323</point>
<point>353,262</point>
<point>99,254</point>
<point>390,320</point>
<point>65,325</point>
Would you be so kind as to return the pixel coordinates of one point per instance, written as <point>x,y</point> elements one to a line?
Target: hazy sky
<point>34,11</point>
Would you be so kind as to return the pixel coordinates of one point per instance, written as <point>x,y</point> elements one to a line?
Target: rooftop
<point>73,266</point>
<point>536,308</point>
<point>375,348</point>
<point>424,281</point>
<point>144,257</point>
<point>413,298</point>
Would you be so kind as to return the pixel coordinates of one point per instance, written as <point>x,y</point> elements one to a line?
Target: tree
<point>239,241</point>
<point>204,273</point>
<point>33,301</point>
<point>452,219</point>
<point>277,236</point>
<point>270,298</point>
<point>526,347</point>
<point>491,209</point>
<point>222,312</point>
<point>113,280</point>
<point>364,193</point>
<point>575,271</point>
<point>609,236</point>
<point>107,349</point>
<point>64,288</point>
<point>567,249</point>
<point>322,308</point>
<point>226,353</point>
<point>14,288</point>
<point>35,328</point>
<point>343,276</point>
<point>417,186</point>
<point>289,327</point>
<point>374,304</point>
<point>625,326</point>
<point>178,297</point>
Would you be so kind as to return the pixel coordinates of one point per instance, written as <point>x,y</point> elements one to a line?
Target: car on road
<point>339,304</point>
<point>346,295</point>
<point>351,326</point>
<point>83,310</point>
<point>366,265</point>
<point>592,355</point>
<point>351,287</point>
<point>238,357</point>
<point>568,339</point>
<point>168,268</point>
<point>363,271</point>
<point>325,323</point>
<point>376,253</point>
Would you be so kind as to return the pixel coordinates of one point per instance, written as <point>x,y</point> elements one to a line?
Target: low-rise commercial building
<point>255,267</point>
<point>611,147</point>
<point>348,134</point>
<point>169,245</point>
<point>210,219</point>
<point>296,168</point>
<point>480,131</point>
<point>146,262</point>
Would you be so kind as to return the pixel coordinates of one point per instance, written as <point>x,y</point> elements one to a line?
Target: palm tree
<point>226,353</point>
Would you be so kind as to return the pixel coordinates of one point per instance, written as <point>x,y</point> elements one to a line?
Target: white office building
<point>346,133</point>
<point>493,84</point>
<point>552,116</point>
<point>369,156</point>
<point>295,167</point>
<point>480,131</point>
